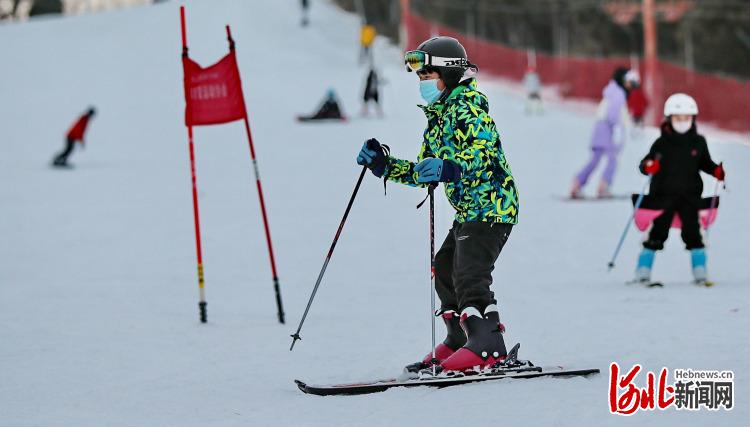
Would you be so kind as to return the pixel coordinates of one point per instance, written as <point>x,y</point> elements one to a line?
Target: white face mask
<point>682,126</point>
<point>429,90</point>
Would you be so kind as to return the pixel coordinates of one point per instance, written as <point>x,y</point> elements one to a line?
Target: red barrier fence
<point>723,101</point>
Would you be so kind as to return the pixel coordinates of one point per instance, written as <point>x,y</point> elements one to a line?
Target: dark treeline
<point>713,36</point>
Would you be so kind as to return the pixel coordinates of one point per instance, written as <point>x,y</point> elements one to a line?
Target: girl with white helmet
<point>675,161</point>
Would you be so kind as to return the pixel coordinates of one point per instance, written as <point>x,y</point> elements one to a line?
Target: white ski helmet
<point>633,76</point>
<point>680,103</point>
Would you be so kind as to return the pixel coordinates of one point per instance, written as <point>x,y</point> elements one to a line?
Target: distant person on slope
<point>372,93</point>
<point>305,4</point>
<point>612,119</point>
<point>328,110</point>
<point>366,38</point>
<point>637,101</point>
<point>675,160</point>
<point>75,133</point>
<point>533,85</point>
<point>461,149</point>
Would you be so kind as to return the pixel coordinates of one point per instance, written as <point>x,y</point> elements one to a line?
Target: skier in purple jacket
<point>612,118</point>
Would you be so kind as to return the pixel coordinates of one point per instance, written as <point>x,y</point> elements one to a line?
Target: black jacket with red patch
<point>682,157</point>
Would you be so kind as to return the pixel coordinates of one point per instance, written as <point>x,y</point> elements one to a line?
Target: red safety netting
<point>723,101</point>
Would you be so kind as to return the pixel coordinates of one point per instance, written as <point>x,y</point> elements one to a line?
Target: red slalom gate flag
<point>213,95</point>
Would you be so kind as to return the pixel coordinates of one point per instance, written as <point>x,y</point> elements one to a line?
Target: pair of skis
<point>657,284</point>
<point>510,368</point>
<point>368,387</point>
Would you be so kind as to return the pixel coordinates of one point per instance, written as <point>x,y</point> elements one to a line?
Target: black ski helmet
<point>446,47</point>
<point>619,76</point>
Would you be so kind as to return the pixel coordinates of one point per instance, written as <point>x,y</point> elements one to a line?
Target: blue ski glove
<point>373,156</point>
<point>436,170</point>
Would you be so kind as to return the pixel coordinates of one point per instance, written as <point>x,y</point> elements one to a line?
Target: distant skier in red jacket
<point>75,133</point>
<point>637,101</point>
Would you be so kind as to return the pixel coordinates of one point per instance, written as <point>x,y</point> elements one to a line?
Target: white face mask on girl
<point>682,126</point>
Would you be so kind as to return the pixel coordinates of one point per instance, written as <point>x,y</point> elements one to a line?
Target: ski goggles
<point>417,60</point>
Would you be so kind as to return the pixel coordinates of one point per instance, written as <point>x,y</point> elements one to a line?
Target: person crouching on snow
<point>675,161</point>
<point>461,148</point>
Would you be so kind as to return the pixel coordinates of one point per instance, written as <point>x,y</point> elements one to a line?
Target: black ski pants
<point>691,232</point>
<point>62,158</point>
<point>464,264</point>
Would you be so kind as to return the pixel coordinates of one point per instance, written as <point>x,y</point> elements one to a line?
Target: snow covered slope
<point>98,294</point>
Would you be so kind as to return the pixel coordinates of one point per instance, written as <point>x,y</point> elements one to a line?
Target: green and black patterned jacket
<point>460,129</point>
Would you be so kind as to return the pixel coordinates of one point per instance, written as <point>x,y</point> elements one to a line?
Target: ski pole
<point>433,362</point>
<point>711,214</point>
<point>296,335</point>
<point>638,202</point>
<point>431,196</point>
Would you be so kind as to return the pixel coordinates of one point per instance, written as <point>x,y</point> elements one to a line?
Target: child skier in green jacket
<point>461,149</point>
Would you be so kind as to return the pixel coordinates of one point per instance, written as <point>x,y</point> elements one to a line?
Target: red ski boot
<point>455,339</point>
<point>485,345</point>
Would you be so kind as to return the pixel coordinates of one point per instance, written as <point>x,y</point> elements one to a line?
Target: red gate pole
<point>201,288</point>
<point>277,289</point>
<point>652,80</point>
<point>199,253</point>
